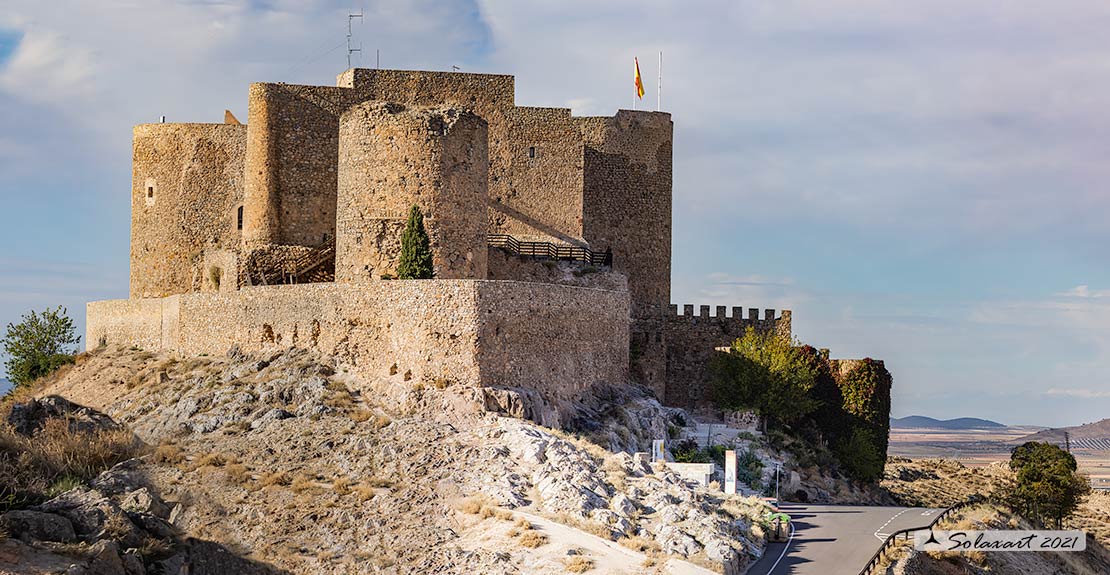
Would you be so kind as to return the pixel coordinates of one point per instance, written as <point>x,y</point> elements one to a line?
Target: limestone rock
<point>37,525</point>
<point>28,418</point>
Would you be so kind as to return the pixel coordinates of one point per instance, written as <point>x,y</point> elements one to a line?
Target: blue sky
<point>922,182</point>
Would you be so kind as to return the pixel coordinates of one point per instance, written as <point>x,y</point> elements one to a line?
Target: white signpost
<point>657,451</point>
<point>730,472</point>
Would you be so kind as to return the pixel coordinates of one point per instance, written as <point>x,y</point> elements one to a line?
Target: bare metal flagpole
<point>659,86</point>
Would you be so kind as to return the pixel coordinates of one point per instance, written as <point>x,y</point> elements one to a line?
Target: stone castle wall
<point>550,338</point>
<point>186,188</point>
<point>691,340</point>
<point>627,207</point>
<point>391,158</point>
<point>291,164</point>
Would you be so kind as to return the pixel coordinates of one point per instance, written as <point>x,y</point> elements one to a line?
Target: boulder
<point>30,417</point>
<point>105,559</point>
<point>27,524</point>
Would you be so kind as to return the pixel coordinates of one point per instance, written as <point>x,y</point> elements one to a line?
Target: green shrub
<point>860,456</point>
<point>687,451</point>
<point>765,372</point>
<point>1047,487</point>
<point>39,344</point>
<point>416,251</point>
<point>749,469</point>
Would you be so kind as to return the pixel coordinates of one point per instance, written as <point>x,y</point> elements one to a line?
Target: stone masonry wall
<point>391,158</point>
<point>512,334</point>
<point>559,340</point>
<point>186,187</point>
<point>627,184</point>
<point>535,154</point>
<point>691,339</point>
<point>538,195</point>
<point>291,167</point>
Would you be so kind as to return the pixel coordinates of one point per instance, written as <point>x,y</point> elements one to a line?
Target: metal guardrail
<point>547,250</point>
<point>906,534</point>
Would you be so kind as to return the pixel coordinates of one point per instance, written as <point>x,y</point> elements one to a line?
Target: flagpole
<point>659,86</point>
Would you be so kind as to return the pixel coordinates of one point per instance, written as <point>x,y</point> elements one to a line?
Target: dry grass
<point>578,564</point>
<point>31,465</point>
<point>341,485</point>
<point>210,460</point>
<point>364,492</point>
<point>303,482</point>
<point>360,415</point>
<point>238,474</point>
<point>640,544</point>
<point>581,524</point>
<point>532,539</point>
<point>275,478</point>
<point>169,454</point>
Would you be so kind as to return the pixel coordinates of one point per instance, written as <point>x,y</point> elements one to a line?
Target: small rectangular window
<point>150,191</point>
<point>239,219</point>
<point>532,152</point>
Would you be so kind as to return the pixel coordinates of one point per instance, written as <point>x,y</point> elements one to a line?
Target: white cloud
<point>49,67</point>
<point>1084,291</point>
<point>1079,393</point>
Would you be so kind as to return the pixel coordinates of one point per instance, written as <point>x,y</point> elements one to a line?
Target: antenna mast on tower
<point>350,50</point>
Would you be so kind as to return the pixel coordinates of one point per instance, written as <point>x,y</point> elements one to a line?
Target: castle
<point>550,235</point>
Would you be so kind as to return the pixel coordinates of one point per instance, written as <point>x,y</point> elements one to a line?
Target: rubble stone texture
<point>391,159</point>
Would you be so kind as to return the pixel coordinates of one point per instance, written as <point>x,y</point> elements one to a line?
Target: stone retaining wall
<point>558,340</point>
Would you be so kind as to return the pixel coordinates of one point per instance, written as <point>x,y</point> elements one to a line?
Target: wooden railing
<point>547,250</point>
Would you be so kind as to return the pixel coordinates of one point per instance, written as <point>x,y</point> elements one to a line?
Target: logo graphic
<point>999,540</point>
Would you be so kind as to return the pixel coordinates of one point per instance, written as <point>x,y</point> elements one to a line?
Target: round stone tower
<point>392,158</point>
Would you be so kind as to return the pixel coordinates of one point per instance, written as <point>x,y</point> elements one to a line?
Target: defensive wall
<point>555,339</point>
<point>691,339</point>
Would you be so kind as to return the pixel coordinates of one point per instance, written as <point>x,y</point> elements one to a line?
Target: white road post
<point>730,472</point>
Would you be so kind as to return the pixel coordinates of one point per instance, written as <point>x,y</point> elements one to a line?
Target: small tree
<point>39,344</point>
<point>416,250</point>
<point>765,372</point>
<point>1046,484</point>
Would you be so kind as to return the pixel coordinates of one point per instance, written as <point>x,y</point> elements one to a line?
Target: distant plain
<point>979,447</point>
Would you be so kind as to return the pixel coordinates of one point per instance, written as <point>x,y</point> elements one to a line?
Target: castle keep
<point>550,236</point>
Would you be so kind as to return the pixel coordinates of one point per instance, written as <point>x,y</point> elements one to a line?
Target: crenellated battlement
<point>722,312</point>
<point>693,334</point>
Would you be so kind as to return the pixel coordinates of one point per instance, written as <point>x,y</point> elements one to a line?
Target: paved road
<point>835,539</point>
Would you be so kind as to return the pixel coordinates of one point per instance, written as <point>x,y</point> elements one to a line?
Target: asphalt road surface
<point>835,539</point>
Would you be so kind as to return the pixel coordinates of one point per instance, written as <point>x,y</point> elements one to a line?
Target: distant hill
<point>1089,435</point>
<point>920,422</point>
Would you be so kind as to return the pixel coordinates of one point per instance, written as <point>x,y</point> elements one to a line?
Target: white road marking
<point>928,512</point>
<point>882,537</point>
<point>784,549</point>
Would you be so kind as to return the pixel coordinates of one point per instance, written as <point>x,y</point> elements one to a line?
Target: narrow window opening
<point>532,152</point>
<point>239,219</point>
<point>150,191</point>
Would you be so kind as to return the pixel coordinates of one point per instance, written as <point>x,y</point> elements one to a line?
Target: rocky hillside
<point>285,463</point>
<point>1095,560</point>
<point>944,482</point>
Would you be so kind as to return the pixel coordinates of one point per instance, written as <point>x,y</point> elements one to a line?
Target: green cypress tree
<point>416,250</point>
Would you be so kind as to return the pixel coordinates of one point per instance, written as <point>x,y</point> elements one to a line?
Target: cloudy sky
<point>920,181</point>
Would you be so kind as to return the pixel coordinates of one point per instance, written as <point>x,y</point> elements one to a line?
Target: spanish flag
<point>639,81</point>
